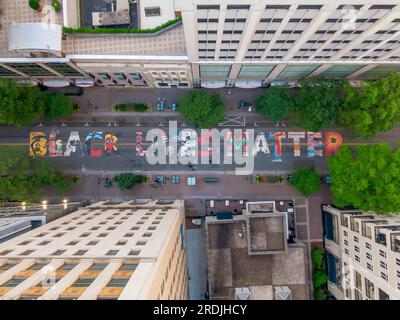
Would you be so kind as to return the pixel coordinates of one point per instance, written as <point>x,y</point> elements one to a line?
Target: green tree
<point>275,104</point>
<point>317,256</point>
<point>318,103</point>
<point>367,178</point>
<point>372,108</point>
<point>320,294</point>
<point>127,181</point>
<point>319,278</point>
<point>306,181</point>
<point>202,109</point>
<point>22,178</point>
<point>58,106</point>
<point>19,105</point>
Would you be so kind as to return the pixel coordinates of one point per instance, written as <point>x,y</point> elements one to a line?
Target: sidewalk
<point>229,187</point>
<point>104,98</point>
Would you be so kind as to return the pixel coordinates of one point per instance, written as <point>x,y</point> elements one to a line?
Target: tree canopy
<point>372,108</point>
<point>275,104</point>
<point>58,106</point>
<point>19,105</point>
<point>22,178</point>
<point>318,103</point>
<point>367,178</point>
<point>126,181</point>
<point>306,180</point>
<point>202,109</point>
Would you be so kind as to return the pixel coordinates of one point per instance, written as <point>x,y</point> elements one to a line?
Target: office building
<point>219,43</point>
<point>108,250</point>
<point>362,254</point>
<point>255,256</point>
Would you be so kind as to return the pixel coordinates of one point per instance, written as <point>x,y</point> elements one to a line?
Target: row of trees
<point>366,177</point>
<point>22,178</point>
<point>22,105</point>
<point>320,104</point>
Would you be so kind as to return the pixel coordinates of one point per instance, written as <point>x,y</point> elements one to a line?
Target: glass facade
<point>297,71</point>
<point>215,71</point>
<point>64,69</point>
<point>7,73</point>
<point>256,71</point>
<point>340,71</point>
<point>31,69</point>
<point>380,70</point>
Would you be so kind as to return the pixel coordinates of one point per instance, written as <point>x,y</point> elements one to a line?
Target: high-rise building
<point>218,43</point>
<point>251,43</point>
<point>108,250</point>
<point>362,254</point>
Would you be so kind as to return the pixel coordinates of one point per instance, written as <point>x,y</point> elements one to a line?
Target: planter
<point>138,107</point>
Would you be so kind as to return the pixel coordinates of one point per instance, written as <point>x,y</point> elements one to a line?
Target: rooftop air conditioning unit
<point>242,294</point>
<point>283,293</point>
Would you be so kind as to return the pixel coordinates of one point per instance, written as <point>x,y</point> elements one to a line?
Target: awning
<point>213,84</point>
<point>248,84</point>
<point>35,37</point>
<point>56,83</point>
<point>84,83</point>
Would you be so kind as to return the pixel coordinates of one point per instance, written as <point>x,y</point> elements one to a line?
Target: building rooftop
<point>169,42</point>
<point>251,252</point>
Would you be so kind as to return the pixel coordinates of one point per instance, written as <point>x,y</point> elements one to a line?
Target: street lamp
<point>65,201</point>
<point>23,206</point>
<point>44,203</point>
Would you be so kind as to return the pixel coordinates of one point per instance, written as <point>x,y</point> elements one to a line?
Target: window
<point>128,266</point>
<point>355,239</point>
<point>134,252</point>
<point>345,233</point>
<point>58,252</point>
<point>83,282</point>
<point>368,255</point>
<point>13,282</point>
<point>27,252</point>
<point>382,254</point>
<point>112,252</point>
<point>80,252</point>
<point>346,242</point>
<point>398,273</point>
<point>369,289</point>
<point>346,251</point>
<point>152,12</point>
<point>117,282</point>
<point>383,265</point>
<point>356,249</point>
<point>368,245</point>
<point>68,266</point>
<point>98,266</point>
<point>92,243</point>
<point>357,258</point>
<point>384,276</point>
<point>369,266</point>
<point>141,243</point>
<point>398,262</point>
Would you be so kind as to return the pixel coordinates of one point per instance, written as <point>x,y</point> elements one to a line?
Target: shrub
<point>56,5</point>
<point>127,181</point>
<point>140,107</point>
<point>123,107</point>
<point>121,30</point>
<point>35,5</point>
<point>306,181</point>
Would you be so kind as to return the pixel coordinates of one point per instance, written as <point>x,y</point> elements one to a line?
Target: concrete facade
<point>110,250</point>
<point>363,254</point>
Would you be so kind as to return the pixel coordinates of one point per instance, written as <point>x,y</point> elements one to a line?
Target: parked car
<point>174,106</point>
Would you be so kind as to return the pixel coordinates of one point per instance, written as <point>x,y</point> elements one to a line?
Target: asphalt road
<point>121,161</point>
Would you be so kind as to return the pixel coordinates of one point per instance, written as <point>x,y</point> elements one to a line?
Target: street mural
<point>99,144</point>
